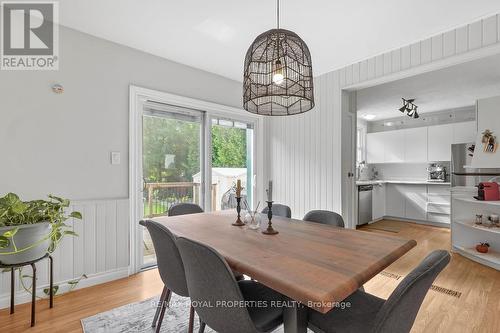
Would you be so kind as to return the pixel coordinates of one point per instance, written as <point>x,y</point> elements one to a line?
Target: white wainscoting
<point>101,251</point>
<point>305,150</point>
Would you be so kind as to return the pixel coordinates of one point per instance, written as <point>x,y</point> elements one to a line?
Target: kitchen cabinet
<point>378,201</point>
<point>415,145</point>
<point>395,200</point>
<point>394,146</point>
<point>415,201</point>
<point>375,147</point>
<point>418,145</point>
<point>439,140</point>
<point>464,132</point>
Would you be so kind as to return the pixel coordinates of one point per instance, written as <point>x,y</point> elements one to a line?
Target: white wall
<point>306,149</point>
<point>60,144</point>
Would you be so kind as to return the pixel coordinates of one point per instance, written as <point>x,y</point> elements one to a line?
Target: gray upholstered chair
<point>279,210</point>
<point>184,208</point>
<point>210,281</point>
<point>325,217</point>
<point>171,270</point>
<point>368,313</point>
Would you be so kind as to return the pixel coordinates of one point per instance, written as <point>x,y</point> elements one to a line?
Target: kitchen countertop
<point>400,181</point>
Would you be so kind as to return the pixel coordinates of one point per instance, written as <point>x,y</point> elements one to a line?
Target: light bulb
<point>278,76</point>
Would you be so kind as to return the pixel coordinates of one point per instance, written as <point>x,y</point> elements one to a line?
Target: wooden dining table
<point>314,264</point>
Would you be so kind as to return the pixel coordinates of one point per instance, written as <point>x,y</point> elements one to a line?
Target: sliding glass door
<point>231,160</point>
<point>172,159</point>
<point>188,155</point>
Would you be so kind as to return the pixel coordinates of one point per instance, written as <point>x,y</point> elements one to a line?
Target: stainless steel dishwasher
<point>364,204</point>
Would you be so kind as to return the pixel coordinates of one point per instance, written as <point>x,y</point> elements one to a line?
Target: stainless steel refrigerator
<point>461,175</point>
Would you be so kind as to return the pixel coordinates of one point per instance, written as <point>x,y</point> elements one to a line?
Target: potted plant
<point>31,229</point>
<point>482,247</point>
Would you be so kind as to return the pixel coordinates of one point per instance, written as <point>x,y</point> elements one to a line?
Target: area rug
<point>137,317</point>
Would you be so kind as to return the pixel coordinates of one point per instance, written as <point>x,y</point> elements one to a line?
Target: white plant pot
<point>26,236</point>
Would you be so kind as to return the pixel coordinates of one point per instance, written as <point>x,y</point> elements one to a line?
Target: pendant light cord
<point>278,13</point>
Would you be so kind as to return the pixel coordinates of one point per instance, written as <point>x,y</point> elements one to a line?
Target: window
<point>360,145</point>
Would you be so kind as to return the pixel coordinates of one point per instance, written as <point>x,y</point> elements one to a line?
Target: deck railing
<point>159,197</point>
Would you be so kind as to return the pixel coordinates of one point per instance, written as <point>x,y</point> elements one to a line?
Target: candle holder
<point>238,222</point>
<point>270,230</point>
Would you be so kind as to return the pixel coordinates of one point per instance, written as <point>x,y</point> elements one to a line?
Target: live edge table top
<point>312,263</point>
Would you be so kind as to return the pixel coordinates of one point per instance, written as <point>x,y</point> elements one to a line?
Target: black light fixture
<point>409,108</point>
<point>278,78</point>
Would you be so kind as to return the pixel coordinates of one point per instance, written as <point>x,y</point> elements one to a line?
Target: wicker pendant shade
<point>278,51</point>
<point>278,79</point>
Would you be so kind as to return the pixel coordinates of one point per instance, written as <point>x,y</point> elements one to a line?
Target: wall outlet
<point>115,158</point>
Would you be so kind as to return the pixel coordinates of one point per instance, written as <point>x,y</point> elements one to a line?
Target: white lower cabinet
<point>419,202</point>
<point>395,200</point>
<point>378,201</point>
<point>415,202</point>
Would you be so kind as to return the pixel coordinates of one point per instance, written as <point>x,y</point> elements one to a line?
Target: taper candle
<point>238,188</point>
<point>270,191</point>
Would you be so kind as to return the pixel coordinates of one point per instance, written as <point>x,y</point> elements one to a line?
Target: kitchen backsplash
<point>400,171</point>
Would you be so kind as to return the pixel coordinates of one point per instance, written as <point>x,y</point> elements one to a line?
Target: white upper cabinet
<point>464,132</point>
<point>418,145</point>
<point>439,142</point>
<point>375,147</point>
<point>394,145</point>
<point>415,142</point>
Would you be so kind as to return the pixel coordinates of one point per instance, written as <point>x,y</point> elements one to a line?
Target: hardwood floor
<point>477,309</point>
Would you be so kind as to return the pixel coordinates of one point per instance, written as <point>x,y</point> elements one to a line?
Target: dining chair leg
<point>162,313</point>
<point>163,297</point>
<point>191,319</point>
<point>202,327</point>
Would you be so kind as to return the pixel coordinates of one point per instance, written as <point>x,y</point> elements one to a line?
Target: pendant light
<point>278,78</point>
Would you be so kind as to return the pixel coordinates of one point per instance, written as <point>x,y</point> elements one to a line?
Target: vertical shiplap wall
<point>305,150</point>
<point>102,248</point>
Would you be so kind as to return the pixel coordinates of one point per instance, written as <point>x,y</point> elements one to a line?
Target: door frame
<point>349,202</point>
<point>137,95</point>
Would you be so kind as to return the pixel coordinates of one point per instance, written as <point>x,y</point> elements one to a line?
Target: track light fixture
<point>409,108</point>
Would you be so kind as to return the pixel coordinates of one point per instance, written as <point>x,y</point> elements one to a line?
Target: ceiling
<point>449,88</point>
<point>215,35</point>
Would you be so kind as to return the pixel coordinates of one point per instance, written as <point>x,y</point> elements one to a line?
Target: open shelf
<point>492,203</point>
<point>472,225</point>
<point>491,258</point>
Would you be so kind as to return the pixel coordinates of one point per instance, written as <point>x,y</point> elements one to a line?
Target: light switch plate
<point>115,157</point>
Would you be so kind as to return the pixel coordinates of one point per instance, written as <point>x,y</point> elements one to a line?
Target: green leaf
<point>76,215</point>
<point>72,233</point>
<point>4,242</point>
<point>73,282</point>
<point>10,233</point>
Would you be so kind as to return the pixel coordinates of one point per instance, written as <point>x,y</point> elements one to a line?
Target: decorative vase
<point>31,241</point>
<point>252,220</point>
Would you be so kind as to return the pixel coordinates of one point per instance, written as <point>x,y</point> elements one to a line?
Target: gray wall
<point>60,144</point>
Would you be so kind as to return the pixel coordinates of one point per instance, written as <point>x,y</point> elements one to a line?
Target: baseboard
<point>431,223</point>
<point>91,280</point>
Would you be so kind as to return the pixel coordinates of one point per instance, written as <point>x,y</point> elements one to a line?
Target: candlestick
<point>238,222</point>
<point>270,230</point>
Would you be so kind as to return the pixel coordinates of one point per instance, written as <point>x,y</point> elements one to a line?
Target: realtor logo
<point>29,35</point>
